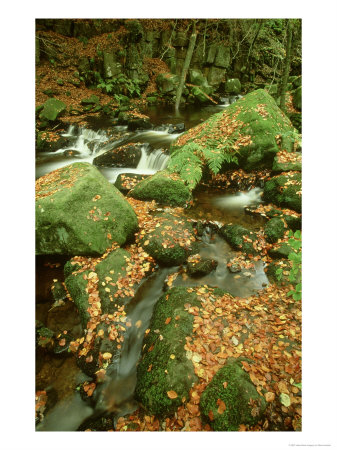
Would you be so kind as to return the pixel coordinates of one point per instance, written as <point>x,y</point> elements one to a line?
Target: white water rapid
<point>240,200</point>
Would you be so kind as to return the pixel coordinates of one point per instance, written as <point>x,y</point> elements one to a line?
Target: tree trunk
<point>286,67</point>
<point>187,61</point>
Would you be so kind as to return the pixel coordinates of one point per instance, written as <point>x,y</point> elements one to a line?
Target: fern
<point>187,163</point>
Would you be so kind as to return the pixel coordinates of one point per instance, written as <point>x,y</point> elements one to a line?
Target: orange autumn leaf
<point>211,415</point>
<point>168,320</point>
<point>222,406</point>
<point>269,396</point>
<point>225,384</point>
<point>172,394</point>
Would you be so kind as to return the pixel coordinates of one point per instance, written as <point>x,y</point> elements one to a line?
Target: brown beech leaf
<point>172,394</point>
<point>222,406</point>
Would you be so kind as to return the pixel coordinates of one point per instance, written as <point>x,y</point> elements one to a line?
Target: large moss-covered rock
<point>171,242</point>
<point>127,155</point>
<point>78,212</point>
<point>164,188</point>
<point>167,82</point>
<point>107,271</point>
<point>239,238</point>
<point>285,190</point>
<point>274,230</point>
<point>164,367</point>
<point>52,109</point>
<point>248,130</point>
<point>237,403</point>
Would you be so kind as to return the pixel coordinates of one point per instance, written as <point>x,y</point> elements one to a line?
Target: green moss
<point>168,243</point>
<point>52,109</point>
<point>237,236</point>
<point>78,212</point>
<point>293,220</point>
<point>76,286</point>
<point>243,403</point>
<point>281,251</point>
<point>162,188</point>
<point>274,230</point>
<point>157,372</point>
<point>285,191</point>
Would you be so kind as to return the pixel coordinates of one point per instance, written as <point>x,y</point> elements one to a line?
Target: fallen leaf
<point>172,394</point>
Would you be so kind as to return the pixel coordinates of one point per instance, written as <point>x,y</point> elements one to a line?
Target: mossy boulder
<point>237,403</point>
<point>200,95</point>
<point>287,166</point>
<point>164,367</point>
<point>200,267</point>
<point>233,86</point>
<point>52,110</point>
<point>167,83</point>
<point>280,251</point>
<point>274,230</point>
<point>78,212</point>
<point>171,242</point>
<point>164,188</point>
<point>251,126</point>
<point>239,238</point>
<point>292,218</point>
<point>284,190</point>
<point>127,155</point>
<point>127,181</point>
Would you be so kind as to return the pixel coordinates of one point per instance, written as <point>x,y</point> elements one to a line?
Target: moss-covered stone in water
<point>171,242</point>
<point>293,220</point>
<point>285,190</point>
<point>124,156</point>
<point>114,267</point>
<point>78,212</point>
<point>237,236</point>
<point>274,230</point>
<point>76,286</point>
<point>201,268</point>
<point>163,366</point>
<point>243,404</point>
<point>164,188</point>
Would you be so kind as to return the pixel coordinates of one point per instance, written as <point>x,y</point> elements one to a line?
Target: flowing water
<point>212,206</point>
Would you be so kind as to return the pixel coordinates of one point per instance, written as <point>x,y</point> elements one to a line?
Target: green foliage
<point>189,160</point>
<point>83,39</point>
<point>119,85</point>
<point>295,273</point>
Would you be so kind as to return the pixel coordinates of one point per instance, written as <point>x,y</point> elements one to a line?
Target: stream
<point>61,376</point>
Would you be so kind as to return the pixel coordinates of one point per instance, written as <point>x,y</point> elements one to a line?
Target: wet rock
<point>284,190</point>
<point>158,373</point>
<point>233,266</point>
<point>164,188</point>
<point>233,86</point>
<point>274,230</point>
<point>226,408</point>
<point>239,238</point>
<point>78,212</point>
<point>167,83</point>
<point>171,242</point>
<point>201,267</point>
<point>127,155</point>
<point>127,181</point>
<point>139,124</point>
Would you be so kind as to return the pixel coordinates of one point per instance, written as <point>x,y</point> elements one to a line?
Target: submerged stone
<point>78,212</point>
<point>226,408</point>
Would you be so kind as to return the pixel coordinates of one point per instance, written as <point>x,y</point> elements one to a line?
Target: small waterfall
<point>156,160</point>
<point>240,200</point>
